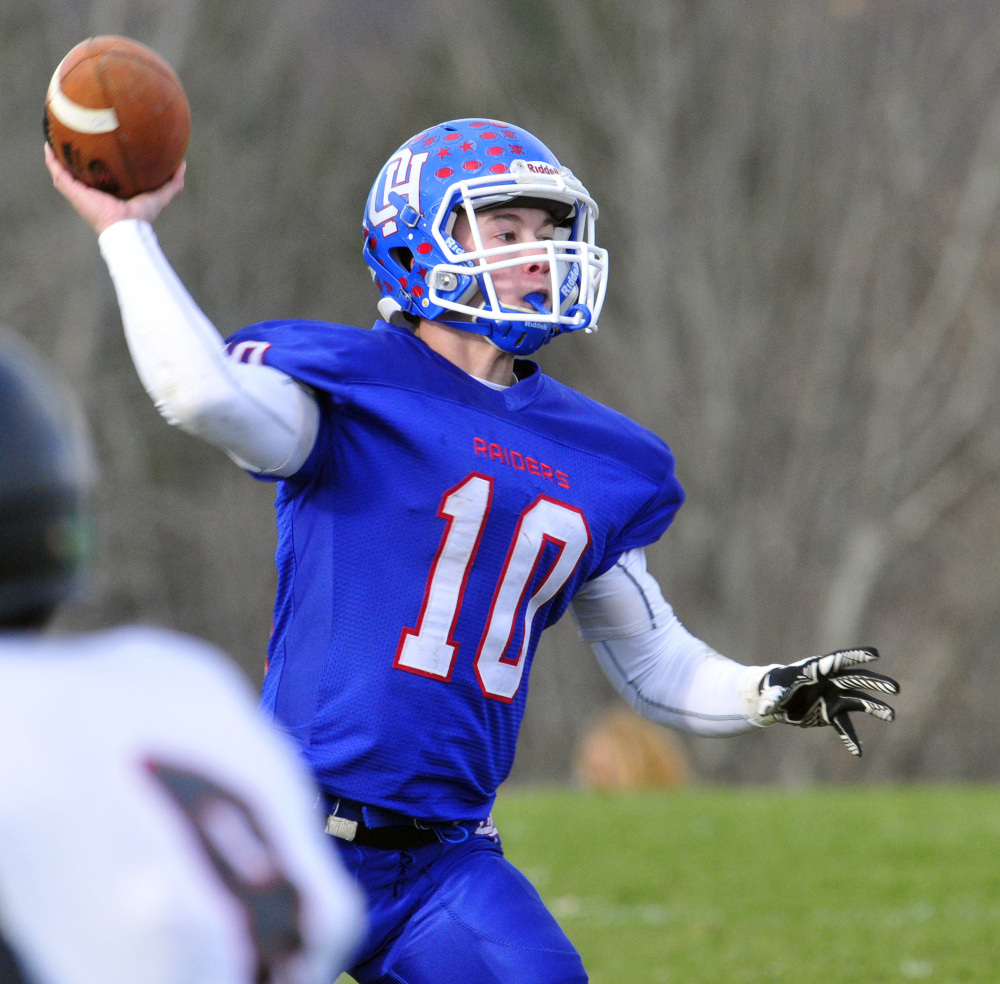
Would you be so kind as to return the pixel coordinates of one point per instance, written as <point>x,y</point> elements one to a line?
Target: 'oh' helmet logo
<point>401,177</point>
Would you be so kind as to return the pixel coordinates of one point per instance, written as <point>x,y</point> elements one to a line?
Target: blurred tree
<point>800,200</point>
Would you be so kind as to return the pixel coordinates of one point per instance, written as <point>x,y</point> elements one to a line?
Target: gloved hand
<point>824,690</point>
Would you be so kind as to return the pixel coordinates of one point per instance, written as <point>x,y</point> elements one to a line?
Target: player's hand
<point>99,209</point>
<point>824,690</point>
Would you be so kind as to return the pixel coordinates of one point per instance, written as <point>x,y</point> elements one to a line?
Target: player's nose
<point>537,262</point>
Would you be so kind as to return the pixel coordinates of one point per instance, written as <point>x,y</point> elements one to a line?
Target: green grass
<point>830,885</point>
<point>840,885</point>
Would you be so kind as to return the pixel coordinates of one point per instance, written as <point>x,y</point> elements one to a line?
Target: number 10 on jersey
<point>430,649</point>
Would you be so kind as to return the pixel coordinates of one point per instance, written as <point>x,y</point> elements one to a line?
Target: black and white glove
<point>824,690</point>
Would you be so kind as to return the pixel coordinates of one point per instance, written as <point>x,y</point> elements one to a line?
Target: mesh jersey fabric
<point>414,458</point>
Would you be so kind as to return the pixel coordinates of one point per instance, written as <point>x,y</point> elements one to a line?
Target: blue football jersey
<point>436,529</point>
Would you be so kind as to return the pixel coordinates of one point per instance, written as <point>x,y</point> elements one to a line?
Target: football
<point>116,115</point>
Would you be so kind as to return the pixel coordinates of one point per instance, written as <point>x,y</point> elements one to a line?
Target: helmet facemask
<point>576,266</point>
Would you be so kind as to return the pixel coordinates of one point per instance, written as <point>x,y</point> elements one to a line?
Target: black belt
<point>393,837</point>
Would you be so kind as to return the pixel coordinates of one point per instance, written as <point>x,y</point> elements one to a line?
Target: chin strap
<point>581,311</point>
<point>523,337</point>
<point>517,337</point>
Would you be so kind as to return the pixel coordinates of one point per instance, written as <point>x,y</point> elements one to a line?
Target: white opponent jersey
<point>153,829</point>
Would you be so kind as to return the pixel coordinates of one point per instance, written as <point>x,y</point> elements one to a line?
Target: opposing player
<point>154,829</point>
<point>440,502</point>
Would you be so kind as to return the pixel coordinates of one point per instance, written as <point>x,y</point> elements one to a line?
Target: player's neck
<point>473,354</point>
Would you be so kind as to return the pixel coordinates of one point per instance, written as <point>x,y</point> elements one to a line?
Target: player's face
<point>501,227</point>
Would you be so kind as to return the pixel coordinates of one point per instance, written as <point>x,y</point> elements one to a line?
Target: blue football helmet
<point>423,272</point>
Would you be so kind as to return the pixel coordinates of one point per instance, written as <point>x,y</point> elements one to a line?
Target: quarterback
<point>441,501</point>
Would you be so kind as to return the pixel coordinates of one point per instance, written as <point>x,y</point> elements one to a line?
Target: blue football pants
<point>455,914</point>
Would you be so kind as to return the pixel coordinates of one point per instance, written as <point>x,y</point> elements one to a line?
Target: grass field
<point>830,885</point>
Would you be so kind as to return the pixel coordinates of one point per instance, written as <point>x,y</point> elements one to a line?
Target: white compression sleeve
<point>662,670</point>
<point>263,419</point>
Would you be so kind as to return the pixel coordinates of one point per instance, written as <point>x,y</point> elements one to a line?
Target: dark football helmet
<point>46,473</point>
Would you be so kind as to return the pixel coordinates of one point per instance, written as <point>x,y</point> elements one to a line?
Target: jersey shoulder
<point>585,422</point>
<point>645,491</point>
<point>153,653</point>
<point>324,354</point>
<point>153,663</point>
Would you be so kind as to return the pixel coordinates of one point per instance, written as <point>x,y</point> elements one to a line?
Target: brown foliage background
<point>800,198</point>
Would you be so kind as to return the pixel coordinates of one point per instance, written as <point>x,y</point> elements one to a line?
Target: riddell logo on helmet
<point>537,167</point>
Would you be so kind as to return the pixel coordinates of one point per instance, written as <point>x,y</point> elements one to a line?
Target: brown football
<point>116,115</point>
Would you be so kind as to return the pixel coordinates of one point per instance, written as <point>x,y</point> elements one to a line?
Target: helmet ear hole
<point>402,256</point>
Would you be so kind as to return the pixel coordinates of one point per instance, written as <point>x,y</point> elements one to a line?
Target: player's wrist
<point>122,232</point>
<point>751,694</point>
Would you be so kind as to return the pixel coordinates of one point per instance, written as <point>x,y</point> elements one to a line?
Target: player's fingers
<point>857,700</point>
<point>98,208</point>
<point>177,178</point>
<point>60,174</point>
<point>834,662</point>
<point>174,185</point>
<point>150,204</point>
<point>67,182</point>
<point>867,680</point>
<point>843,726</point>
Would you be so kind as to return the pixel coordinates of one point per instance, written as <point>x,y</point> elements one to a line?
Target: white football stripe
<point>82,119</point>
